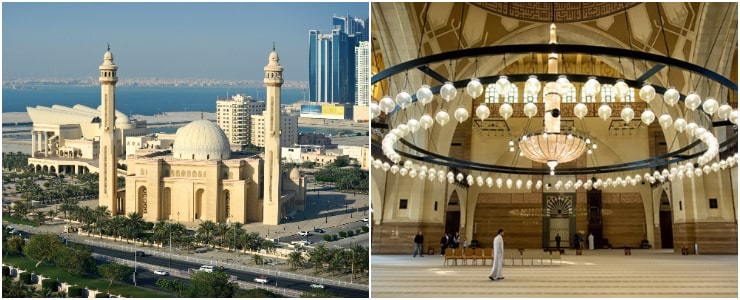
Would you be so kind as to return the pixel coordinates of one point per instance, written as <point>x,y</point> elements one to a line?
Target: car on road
<point>262,279</point>
<point>317,286</point>
<point>318,230</point>
<point>161,272</point>
<point>206,268</point>
<point>304,233</point>
<point>306,242</point>
<point>366,219</point>
<point>140,253</point>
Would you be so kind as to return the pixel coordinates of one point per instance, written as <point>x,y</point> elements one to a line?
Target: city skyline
<point>162,40</point>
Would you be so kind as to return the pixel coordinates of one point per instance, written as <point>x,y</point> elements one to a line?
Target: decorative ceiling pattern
<point>564,12</point>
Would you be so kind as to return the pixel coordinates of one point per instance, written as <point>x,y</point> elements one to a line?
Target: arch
<point>665,215</point>
<point>199,208</point>
<point>141,199</point>
<point>46,169</point>
<point>52,169</point>
<point>166,204</point>
<point>226,205</point>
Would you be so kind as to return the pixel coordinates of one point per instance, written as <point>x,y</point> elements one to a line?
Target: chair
<point>457,254</point>
<point>479,255</point>
<point>487,254</point>
<point>448,255</point>
<point>468,254</point>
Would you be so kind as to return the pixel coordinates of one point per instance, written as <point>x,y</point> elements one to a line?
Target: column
<point>33,142</point>
<point>46,146</point>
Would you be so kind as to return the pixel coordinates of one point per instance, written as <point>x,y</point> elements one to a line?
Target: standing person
<point>590,241</point>
<point>456,240</point>
<point>557,241</point>
<point>418,242</point>
<point>443,243</point>
<point>582,240</point>
<point>576,242</point>
<point>498,257</point>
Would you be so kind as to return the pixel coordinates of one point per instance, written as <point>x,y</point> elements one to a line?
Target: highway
<point>147,278</point>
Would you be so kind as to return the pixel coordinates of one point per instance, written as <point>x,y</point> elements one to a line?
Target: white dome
<point>201,139</point>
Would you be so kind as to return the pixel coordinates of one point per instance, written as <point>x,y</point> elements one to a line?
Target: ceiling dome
<point>200,140</point>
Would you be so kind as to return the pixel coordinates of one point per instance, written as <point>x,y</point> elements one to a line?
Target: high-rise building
<point>288,129</point>
<point>332,75</point>
<point>234,114</point>
<point>362,74</point>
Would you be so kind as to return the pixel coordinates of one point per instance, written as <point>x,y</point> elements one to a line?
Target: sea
<point>145,100</point>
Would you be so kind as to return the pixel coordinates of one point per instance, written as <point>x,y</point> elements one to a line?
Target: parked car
<point>304,233</point>
<point>306,242</point>
<point>161,272</point>
<point>208,269</point>
<point>317,286</point>
<point>318,230</point>
<point>366,219</point>
<point>262,279</point>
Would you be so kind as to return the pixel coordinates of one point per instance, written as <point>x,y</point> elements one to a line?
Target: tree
<point>172,285</point>
<point>255,293</point>
<point>295,260</point>
<point>14,245</point>
<point>337,261</point>
<point>76,259</point>
<point>210,285</point>
<point>317,257</point>
<point>115,271</point>
<point>317,293</point>
<point>134,224</point>
<point>221,230</point>
<point>20,209</point>
<point>257,259</point>
<point>43,247</point>
<point>205,231</point>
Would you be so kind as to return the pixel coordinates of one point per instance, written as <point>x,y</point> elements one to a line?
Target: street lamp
<point>135,262</point>
<point>170,227</point>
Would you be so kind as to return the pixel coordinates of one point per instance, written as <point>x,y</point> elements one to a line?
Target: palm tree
<point>318,256</point>
<point>40,217</point>
<point>101,214</point>
<point>115,226</point>
<point>161,232</point>
<point>295,260</point>
<point>221,230</point>
<point>337,261</point>
<point>257,259</point>
<point>236,231</point>
<point>134,224</point>
<point>205,230</point>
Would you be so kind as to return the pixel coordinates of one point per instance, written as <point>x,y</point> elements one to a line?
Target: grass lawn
<point>82,281</point>
<point>17,220</point>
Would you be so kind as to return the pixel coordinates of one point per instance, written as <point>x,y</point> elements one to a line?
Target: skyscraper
<point>362,73</point>
<point>331,64</point>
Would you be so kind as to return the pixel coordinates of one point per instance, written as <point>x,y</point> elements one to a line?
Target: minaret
<point>272,180</point>
<point>107,158</point>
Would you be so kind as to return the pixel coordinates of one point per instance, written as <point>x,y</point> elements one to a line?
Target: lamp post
<point>135,263</point>
<point>170,227</point>
<point>233,224</point>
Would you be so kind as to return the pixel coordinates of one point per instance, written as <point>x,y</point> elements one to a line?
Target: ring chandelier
<point>677,164</point>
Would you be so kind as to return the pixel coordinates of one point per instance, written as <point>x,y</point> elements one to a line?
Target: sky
<point>229,41</point>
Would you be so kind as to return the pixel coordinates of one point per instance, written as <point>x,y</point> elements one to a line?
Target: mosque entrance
<point>666,222</point>
<point>558,219</point>
<point>452,219</point>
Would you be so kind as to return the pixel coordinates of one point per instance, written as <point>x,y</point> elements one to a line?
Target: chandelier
<point>395,122</point>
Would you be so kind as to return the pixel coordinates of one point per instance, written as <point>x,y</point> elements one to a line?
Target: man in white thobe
<point>590,241</point>
<point>498,257</point>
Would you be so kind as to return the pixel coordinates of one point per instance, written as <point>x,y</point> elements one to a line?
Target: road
<point>147,279</point>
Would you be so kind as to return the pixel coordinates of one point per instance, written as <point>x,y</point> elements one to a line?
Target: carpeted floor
<point>595,274</point>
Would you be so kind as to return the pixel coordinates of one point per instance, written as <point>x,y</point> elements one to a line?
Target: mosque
<point>503,144</point>
<point>605,125</point>
<point>189,176</point>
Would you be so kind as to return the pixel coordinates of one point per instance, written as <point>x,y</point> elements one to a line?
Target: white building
<point>233,115</point>
<point>362,73</point>
<point>288,130</point>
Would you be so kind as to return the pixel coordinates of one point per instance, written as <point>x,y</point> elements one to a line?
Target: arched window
<point>587,99</point>
<point>570,96</point>
<point>491,96</point>
<point>630,96</point>
<point>607,93</point>
<point>513,96</point>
